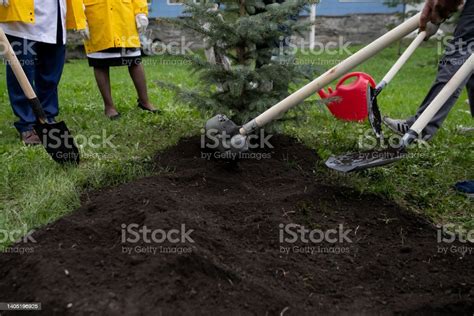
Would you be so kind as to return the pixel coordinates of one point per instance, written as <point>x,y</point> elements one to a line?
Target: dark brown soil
<point>390,265</point>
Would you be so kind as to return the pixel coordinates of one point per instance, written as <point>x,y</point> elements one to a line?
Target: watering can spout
<point>324,95</point>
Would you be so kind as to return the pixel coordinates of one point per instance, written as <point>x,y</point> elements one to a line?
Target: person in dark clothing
<point>457,52</point>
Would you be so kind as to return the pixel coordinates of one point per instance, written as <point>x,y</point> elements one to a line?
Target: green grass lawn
<point>34,190</point>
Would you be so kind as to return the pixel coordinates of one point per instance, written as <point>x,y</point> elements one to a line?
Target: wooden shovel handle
<point>279,109</point>
<point>20,75</point>
<point>404,57</point>
<point>443,96</point>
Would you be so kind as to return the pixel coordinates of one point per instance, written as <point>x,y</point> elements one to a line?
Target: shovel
<point>365,160</point>
<point>55,137</point>
<point>375,118</point>
<point>370,159</point>
<point>236,142</point>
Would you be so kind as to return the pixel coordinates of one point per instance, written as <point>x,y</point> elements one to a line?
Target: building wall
<point>356,29</point>
<point>357,21</point>
<point>351,7</point>
<point>164,9</point>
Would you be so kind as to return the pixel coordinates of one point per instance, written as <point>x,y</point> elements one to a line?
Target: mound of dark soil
<point>233,246</point>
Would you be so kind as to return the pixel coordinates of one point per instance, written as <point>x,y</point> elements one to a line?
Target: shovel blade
<point>375,117</point>
<point>58,142</point>
<point>365,160</point>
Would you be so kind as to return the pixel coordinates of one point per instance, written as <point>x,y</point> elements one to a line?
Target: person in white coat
<point>37,33</point>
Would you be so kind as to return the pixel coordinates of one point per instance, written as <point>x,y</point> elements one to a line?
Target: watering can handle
<point>358,75</point>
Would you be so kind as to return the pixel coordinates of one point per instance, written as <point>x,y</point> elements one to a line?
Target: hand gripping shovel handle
<point>20,75</point>
<point>456,81</point>
<point>341,69</point>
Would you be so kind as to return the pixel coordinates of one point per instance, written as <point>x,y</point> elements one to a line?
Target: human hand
<point>142,22</point>
<point>431,30</point>
<point>5,3</point>
<point>436,11</point>
<point>85,33</point>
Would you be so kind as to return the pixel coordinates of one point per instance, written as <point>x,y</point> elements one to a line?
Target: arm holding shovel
<point>455,56</point>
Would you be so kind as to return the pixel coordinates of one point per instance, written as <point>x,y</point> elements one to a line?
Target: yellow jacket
<point>24,11</point>
<point>112,23</point>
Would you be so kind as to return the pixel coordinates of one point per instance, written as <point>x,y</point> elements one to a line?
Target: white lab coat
<point>45,28</point>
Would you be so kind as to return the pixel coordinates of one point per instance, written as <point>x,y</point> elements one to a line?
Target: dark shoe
<point>115,117</point>
<point>111,113</point>
<point>466,187</point>
<point>399,127</point>
<point>30,138</point>
<point>141,106</point>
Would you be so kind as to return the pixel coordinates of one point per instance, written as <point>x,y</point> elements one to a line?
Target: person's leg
<point>450,64</point>
<point>50,59</point>
<point>102,77</point>
<point>25,51</point>
<point>456,53</point>
<point>470,93</point>
<point>137,73</point>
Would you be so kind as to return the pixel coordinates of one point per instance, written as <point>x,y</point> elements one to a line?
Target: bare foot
<point>111,112</point>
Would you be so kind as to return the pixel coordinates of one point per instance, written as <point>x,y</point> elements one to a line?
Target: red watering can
<point>351,103</point>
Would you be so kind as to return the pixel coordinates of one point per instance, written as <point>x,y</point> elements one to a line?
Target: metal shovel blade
<point>375,117</point>
<point>58,142</point>
<point>365,160</point>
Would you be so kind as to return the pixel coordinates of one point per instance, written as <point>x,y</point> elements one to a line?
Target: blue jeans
<point>43,64</point>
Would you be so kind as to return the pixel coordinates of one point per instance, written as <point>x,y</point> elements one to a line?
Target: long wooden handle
<point>404,58</point>
<point>20,75</point>
<point>456,81</point>
<point>341,69</point>
<point>14,63</point>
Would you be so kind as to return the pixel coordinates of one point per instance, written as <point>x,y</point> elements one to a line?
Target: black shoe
<point>141,106</point>
<point>115,117</point>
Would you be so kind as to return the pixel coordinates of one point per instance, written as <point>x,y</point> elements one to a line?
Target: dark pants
<point>43,65</point>
<point>457,52</point>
